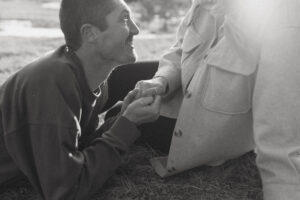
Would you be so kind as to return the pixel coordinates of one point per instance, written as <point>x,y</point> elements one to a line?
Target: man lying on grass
<point>50,108</point>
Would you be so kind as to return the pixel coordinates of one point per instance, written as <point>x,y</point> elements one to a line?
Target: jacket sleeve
<point>44,144</point>
<point>276,110</point>
<point>170,63</point>
<point>203,15</point>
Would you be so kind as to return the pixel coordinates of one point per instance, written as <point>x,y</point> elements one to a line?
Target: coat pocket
<point>226,92</point>
<point>295,160</point>
<point>230,79</point>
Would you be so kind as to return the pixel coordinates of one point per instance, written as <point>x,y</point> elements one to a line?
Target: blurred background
<point>153,16</point>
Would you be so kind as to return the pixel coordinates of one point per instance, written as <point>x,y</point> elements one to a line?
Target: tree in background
<point>165,12</point>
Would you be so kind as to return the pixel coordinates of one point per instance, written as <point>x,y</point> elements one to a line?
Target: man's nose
<point>134,29</point>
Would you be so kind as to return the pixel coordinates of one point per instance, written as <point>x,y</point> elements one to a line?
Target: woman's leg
<point>158,134</point>
<point>121,80</point>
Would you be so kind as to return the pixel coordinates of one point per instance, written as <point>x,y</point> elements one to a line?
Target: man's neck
<point>95,68</point>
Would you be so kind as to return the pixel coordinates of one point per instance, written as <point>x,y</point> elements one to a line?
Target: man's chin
<point>132,59</point>
<point>128,59</point>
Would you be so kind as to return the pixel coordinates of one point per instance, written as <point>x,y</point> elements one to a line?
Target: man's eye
<point>125,19</point>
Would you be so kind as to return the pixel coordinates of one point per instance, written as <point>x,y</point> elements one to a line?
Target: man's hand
<point>142,110</point>
<point>130,97</point>
<point>155,86</point>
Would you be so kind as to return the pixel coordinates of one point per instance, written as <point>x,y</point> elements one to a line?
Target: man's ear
<point>89,33</point>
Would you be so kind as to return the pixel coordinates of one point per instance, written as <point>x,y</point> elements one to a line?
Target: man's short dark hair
<point>74,13</point>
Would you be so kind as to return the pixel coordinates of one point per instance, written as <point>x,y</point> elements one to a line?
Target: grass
<point>235,180</point>
<point>16,52</point>
<point>29,10</point>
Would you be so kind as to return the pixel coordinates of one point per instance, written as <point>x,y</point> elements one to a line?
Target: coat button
<point>187,93</point>
<point>171,170</point>
<point>178,133</point>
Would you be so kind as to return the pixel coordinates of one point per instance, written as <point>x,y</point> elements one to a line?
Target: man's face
<point>117,40</point>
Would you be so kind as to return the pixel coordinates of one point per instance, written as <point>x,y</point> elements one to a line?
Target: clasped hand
<point>142,104</point>
<point>141,109</point>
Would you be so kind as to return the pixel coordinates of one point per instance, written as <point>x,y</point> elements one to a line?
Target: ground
<point>237,179</point>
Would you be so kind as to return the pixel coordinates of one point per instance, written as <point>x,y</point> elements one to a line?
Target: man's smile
<point>129,41</point>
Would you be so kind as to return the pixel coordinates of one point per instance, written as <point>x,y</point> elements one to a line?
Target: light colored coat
<point>224,104</point>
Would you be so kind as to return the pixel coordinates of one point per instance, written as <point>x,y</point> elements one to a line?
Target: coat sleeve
<point>276,111</point>
<point>170,63</point>
<point>42,138</point>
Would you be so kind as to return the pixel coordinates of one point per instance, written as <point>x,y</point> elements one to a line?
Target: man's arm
<point>45,147</point>
<point>48,157</point>
<point>276,108</point>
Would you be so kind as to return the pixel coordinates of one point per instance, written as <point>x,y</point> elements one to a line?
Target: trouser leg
<point>123,78</point>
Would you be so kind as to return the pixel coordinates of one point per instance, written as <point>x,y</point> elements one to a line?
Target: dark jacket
<point>46,110</point>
